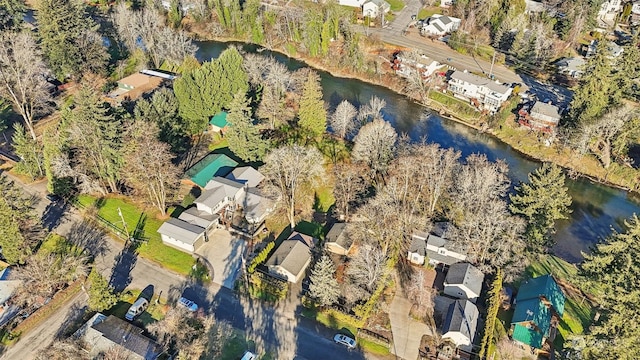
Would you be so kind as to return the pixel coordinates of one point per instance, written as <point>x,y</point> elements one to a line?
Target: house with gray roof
<point>181,234</point>
<point>218,193</point>
<point>373,8</point>
<point>7,287</point>
<point>460,324</point>
<point>439,25</point>
<point>337,240</point>
<point>463,281</point>
<point>246,175</point>
<point>573,66</point>
<point>102,333</point>
<point>437,250</point>
<point>480,91</point>
<point>292,257</point>
<point>542,116</point>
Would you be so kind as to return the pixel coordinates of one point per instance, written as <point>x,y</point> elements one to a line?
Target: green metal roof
<point>543,286</point>
<point>210,166</point>
<point>219,120</point>
<point>527,336</point>
<point>536,312</point>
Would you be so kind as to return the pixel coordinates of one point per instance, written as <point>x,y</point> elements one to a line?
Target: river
<point>596,208</point>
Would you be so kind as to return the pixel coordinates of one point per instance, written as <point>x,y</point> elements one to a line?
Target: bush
<point>261,257</point>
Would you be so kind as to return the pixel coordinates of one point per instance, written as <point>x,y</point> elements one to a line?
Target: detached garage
<point>182,235</point>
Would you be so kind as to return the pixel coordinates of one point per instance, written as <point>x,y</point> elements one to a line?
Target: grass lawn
<point>324,198</point>
<point>427,12</point>
<point>53,243</point>
<point>311,228</point>
<point>373,347</point>
<point>236,346</point>
<point>152,248</point>
<point>333,319</point>
<point>218,143</point>
<point>455,106</point>
<point>396,5</point>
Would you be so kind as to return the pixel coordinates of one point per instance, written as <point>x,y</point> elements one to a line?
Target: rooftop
<point>543,286</point>
<point>217,190</point>
<point>135,80</point>
<point>219,119</point>
<point>545,109</point>
<point>196,217</point>
<point>246,175</point>
<point>338,235</point>
<point>480,81</point>
<point>462,317</point>
<point>467,275</point>
<point>182,230</point>
<point>209,167</point>
<point>293,253</point>
<point>120,332</point>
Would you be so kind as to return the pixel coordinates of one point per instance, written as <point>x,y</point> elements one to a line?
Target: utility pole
<point>124,224</point>
<point>493,60</point>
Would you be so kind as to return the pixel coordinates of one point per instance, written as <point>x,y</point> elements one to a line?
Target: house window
<point>442,251</point>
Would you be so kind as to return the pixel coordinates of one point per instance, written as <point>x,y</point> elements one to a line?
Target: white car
<point>345,340</point>
<point>190,305</point>
<point>249,356</point>
<point>136,309</point>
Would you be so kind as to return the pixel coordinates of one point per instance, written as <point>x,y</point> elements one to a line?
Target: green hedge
<point>261,257</point>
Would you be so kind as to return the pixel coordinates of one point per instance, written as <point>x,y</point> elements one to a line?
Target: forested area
<point>386,185</point>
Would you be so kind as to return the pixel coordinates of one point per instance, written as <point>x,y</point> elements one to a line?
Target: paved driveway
<point>224,253</point>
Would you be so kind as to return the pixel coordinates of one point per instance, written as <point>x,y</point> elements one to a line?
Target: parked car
<point>188,304</point>
<point>249,356</point>
<point>345,340</point>
<point>53,197</point>
<point>136,309</point>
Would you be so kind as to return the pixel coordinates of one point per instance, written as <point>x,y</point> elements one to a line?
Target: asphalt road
<point>278,330</point>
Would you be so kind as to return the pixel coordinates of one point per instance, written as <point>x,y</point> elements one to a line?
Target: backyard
<point>145,225</point>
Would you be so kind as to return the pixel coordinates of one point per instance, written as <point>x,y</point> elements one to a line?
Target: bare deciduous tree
<point>64,350</point>
<point>367,266</point>
<point>350,184</point>
<point>343,119</point>
<point>22,76</point>
<point>183,331</point>
<point>372,110</point>
<point>608,134</point>
<point>420,295</point>
<point>375,145</point>
<point>290,167</point>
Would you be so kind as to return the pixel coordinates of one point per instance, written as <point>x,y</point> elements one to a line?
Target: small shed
<point>219,122</point>
<point>338,241</point>
<point>209,167</point>
<point>134,81</point>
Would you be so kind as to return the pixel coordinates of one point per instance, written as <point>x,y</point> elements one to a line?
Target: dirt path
<point>43,335</point>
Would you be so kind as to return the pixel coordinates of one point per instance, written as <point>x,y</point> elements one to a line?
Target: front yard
<point>146,224</point>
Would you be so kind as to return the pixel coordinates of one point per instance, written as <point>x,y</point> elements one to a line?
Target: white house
<point>460,324</point>
<point>408,64</point>
<point>7,287</point>
<point>352,3</point>
<point>374,8</point>
<point>337,240</point>
<point>292,257</point>
<point>218,193</point>
<point>609,9</point>
<point>437,249</point>
<point>182,235</point>
<point>438,25</point>
<point>463,281</point>
<point>480,91</point>
<point>446,3</point>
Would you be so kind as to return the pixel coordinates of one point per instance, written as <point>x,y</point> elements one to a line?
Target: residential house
<point>352,3</point>
<point>536,7</point>
<point>463,281</point>
<point>102,333</point>
<point>439,25</point>
<point>446,3</point>
<point>218,193</point>
<point>542,116</point>
<point>292,257</point>
<point>480,91</point>
<point>460,324</point>
<point>375,8</point>
<point>609,9</point>
<point>134,86</point>
<point>573,66</point>
<point>186,7</point>
<point>7,287</point>
<point>614,49</point>
<point>337,240</point>
<point>182,235</point>
<point>209,167</point>
<point>219,122</point>
<point>408,65</point>
<point>434,248</point>
<point>539,306</point>
<point>246,175</point>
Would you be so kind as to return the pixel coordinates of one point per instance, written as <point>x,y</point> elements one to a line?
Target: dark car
<point>53,197</point>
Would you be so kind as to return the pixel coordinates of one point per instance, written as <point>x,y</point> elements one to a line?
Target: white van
<point>136,309</point>
<point>249,356</point>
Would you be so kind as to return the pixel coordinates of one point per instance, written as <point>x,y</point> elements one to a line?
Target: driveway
<point>407,332</point>
<point>224,253</point>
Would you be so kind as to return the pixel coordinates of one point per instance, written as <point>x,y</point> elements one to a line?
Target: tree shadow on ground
<point>87,236</point>
<point>124,263</point>
<point>53,215</point>
<point>72,321</point>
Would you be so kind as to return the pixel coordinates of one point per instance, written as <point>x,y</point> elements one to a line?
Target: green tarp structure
<point>209,167</point>
<point>219,120</point>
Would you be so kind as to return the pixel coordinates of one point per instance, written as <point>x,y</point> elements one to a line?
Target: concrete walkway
<point>407,332</point>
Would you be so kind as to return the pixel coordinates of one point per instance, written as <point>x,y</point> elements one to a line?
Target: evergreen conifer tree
<point>324,286</point>
<point>312,115</point>
<point>541,202</point>
<point>101,295</point>
<point>30,153</point>
<point>243,136</point>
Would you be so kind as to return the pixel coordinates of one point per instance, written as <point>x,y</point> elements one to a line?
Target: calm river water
<point>596,208</point>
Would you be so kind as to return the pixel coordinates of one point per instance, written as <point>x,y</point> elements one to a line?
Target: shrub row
<point>261,257</point>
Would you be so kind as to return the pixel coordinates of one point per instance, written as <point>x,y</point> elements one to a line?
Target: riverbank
<point>508,131</point>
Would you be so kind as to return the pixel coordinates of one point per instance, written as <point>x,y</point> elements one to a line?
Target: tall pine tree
<point>613,271</point>
<point>101,295</point>
<point>312,115</point>
<point>30,153</point>
<point>324,287</point>
<point>243,136</point>
<point>541,202</point>
<point>593,95</point>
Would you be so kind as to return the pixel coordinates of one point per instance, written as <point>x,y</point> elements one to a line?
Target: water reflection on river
<point>596,208</point>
